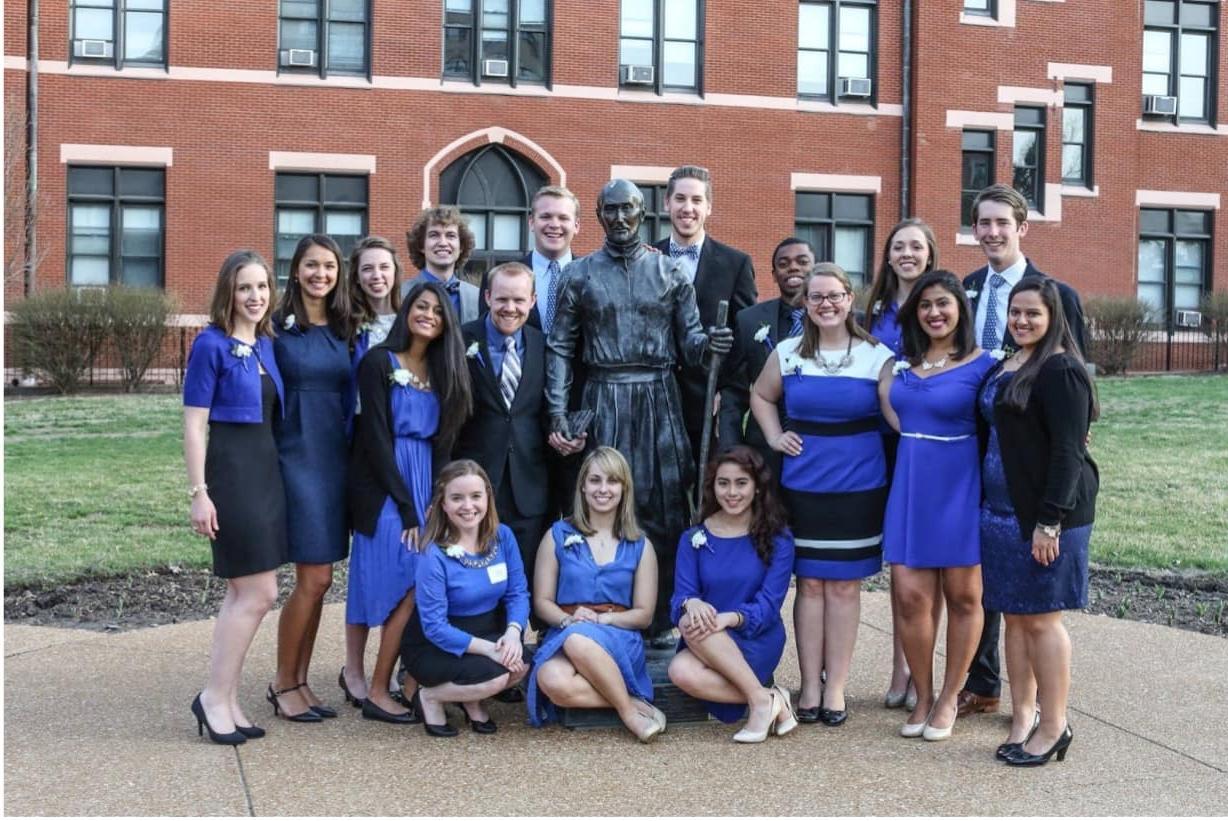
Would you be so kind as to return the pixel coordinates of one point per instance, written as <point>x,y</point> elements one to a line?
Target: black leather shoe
<point>832,718</point>
<point>252,731</point>
<point>512,695</point>
<point>1019,758</point>
<point>349,697</point>
<point>202,724</point>
<point>808,715</point>
<point>307,716</point>
<point>487,727</point>
<point>319,709</point>
<point>444,730</point>
<point>1005,751</point>
<point>375,712</point>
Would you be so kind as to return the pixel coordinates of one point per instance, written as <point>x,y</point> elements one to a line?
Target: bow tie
<point>452,286</point>
<point>689,251</point>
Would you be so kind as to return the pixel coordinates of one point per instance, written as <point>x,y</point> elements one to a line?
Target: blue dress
<point>583,581</point>
<point>836,489</point>
<point>886,328</point>
<point>933,514</point>
<point>312,443</point>
<point>381,566</point>
<point>1014,582</point>
<point>728,574</point>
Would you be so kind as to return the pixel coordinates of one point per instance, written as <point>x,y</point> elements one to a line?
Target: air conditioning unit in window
<point>1189,319</point>
<point>855,86</point>
<point>636,75</point>
<point>92,48</point>
<point>494,68</point>
<point>297,57</point>
<point>1158,104</point>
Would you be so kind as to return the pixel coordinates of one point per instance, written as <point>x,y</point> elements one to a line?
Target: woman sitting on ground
<point>731,580</point>
<point>596,585</point>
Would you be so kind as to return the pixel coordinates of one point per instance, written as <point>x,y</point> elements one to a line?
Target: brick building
<point>170,133</point>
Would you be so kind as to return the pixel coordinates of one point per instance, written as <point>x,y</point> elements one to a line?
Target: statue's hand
<point>558,424</point>
<point>720,340</point>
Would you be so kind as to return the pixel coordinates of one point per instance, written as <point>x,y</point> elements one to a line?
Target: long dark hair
<point>916,342</point>
<point>809,347</point>
<point>767,515</point>
<point>363,312</point>
<point>336,305</point>
<point>1058,335</point>
<point>886,282</point>
<point>445,360</point>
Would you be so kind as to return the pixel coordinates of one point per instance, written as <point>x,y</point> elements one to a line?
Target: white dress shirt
<point>1012,275</point>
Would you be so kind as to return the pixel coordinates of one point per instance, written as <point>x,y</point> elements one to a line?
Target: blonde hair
<point>439,529</point>
<point>610,462</point>
<point>810,332</point>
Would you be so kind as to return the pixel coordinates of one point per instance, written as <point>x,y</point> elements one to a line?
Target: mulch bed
<point>1189,601</point>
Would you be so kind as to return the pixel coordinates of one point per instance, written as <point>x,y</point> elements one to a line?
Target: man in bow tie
<point>440,241</point>
<point>715,270</point>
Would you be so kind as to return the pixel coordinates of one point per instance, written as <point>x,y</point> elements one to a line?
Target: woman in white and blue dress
<point>595,584</point>
<point>833,478</point>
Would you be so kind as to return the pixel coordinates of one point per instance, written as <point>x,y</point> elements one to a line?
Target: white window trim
<point>322,163</point>
<point>1080,72</point>
<point>835,183</point>
<point>151,156</point>
<point>1000,121</point>
<point>1176,199</point>
<point>1185,128</point>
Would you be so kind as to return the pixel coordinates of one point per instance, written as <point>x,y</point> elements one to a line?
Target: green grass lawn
<point>96,485</point>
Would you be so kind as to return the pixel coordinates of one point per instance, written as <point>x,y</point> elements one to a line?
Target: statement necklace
<point>467,559</point>
<point>926,365</point>
<point>831,368</point>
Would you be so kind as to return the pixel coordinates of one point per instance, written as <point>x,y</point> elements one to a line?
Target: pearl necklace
<point>422,385</point>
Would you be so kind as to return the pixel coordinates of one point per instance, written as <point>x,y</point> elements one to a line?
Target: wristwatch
<point>1052,531</point>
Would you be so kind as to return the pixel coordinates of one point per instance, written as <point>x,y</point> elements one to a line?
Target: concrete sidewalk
<point>99,724</point>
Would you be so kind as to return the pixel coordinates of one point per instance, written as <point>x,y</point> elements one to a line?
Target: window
<point>655,225</point>
<point>1029,155</point>
<point>330,204</point>
<point>324,36</point>
<point>1179,44</point>
<point>660,45</point>
<point>1174,247</point>
<point>493,187</point>
<point>985,8</point>
<point>836,62</point>
<point>841,228</point>
<point>497,41</point>
<point>1077,134</point>
<point>115,226</point>
<point>978,171</point>
<point>119,32</point>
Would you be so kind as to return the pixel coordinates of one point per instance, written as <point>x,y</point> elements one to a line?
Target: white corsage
<point>761,335</point>
<point>400,376</point>
<point>877,308</point>
<point>366,328</point>
<point>241,350</point>
<point>454,551</point>
<point>699,540</point>
<point>290,322</point>
<point>900,366</point>
<point>473,350</point>
<point>972,294</point>
<point>998,354</point>
<point>573,540</point>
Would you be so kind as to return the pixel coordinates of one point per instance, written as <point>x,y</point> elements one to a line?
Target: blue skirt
<point>626,647</point>
<point>381,570</point>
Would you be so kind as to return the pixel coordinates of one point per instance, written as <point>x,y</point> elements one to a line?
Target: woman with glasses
<point>833,477</point>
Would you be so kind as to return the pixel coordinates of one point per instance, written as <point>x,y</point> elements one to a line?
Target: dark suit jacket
<point>1069,296</point>
<point>535,318</point>
<point>497,437</point>
<point>722,273</point>
<point>742,368</point>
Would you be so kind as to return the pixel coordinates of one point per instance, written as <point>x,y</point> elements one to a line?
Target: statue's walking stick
<point>714,367</point>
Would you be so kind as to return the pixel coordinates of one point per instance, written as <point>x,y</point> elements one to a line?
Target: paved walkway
<point>99,725</point>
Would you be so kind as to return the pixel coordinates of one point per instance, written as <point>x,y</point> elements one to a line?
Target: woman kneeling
<point>731,579</point>
<point>595,583</point>
<point>463,642</point>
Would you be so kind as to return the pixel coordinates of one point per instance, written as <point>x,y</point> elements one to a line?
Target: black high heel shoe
<point>319,709</point>
<point>307,716</point>
<point>444,730</point>
<point>202,724</point>
<point>1004,750</point>
<point>1020,758</point>
<point>487,727</point>
<point>349,697</point>
<point>251,732</point>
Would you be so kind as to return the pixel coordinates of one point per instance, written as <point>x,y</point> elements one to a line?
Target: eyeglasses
<point>835,298</point>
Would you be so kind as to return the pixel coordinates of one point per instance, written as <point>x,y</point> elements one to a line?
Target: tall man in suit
<point>999,223</point>
<point>440,241</point>
<point>758,330</point>
<point>507,432</point>
<point>716,270</point>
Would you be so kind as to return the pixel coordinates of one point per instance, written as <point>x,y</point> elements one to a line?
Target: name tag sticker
<point>497,573</point>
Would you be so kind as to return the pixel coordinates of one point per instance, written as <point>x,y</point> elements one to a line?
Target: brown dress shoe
<point>969,703</point>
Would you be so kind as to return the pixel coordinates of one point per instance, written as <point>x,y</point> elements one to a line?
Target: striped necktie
<point>509,379</point>
<point>795,320</point>
<point>991,337</point>
<point>553,275</point>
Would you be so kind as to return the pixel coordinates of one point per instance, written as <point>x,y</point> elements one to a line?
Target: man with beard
<point>633,310</point>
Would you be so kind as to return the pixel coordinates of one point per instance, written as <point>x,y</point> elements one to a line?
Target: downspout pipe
<point>906,119</point>
<point>31,204</point>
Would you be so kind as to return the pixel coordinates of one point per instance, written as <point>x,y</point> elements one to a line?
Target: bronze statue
<point>635,312</point>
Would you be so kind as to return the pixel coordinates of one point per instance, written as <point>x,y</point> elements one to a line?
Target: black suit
<point>722,273</point>
<point>510,443</point>
<point>984,676</point>
<point>736,424</point>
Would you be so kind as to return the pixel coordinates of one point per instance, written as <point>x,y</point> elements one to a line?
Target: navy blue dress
<point>1014,582</point>
<point>312,443</point>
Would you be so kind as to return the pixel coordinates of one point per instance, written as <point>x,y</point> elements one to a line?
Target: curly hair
<point>444,215</point>
<point>767,514</point>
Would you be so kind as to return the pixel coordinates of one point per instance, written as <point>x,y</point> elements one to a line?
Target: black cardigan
<point>373,473</point>
<point>1050,476</point>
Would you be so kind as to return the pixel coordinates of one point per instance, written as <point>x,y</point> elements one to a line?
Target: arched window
<point>493,186</point>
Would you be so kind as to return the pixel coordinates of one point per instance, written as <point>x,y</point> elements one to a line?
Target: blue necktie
<point>552,294</point>
<point>991,337</point>
<point>795,318</point>
<point>452,286</point>
<point>689,251</point>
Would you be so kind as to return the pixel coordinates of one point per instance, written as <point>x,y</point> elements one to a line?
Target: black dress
<point>245,485</point>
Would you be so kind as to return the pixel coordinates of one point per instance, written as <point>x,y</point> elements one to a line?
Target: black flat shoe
<point>349,697</point>
<point>512,695</point>
<point>487,727</point>
<point>1019,758</point>
<point>832,718</point>
<point>808,715</point>
<point>444,730</point>
<point>375,712</point>
<point>202,724</point>
<point>252,731</point>
<point>306,717</point>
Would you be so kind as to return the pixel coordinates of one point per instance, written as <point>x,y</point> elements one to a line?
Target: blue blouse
<point>227,384</point>
<point>445,587</point>
<point>886,328</point>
